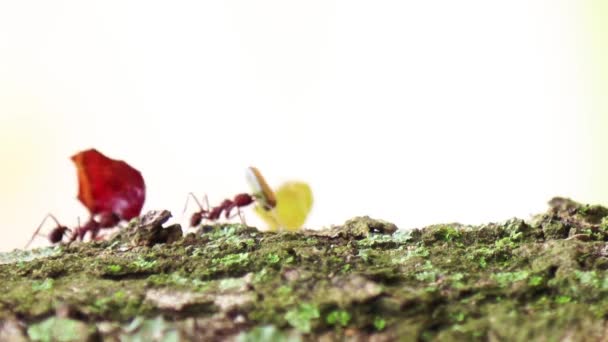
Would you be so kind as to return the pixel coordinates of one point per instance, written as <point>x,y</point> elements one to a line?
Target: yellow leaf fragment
<point>293,204</point>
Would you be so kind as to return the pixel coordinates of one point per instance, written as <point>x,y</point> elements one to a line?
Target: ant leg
<point>239,213</point>
<point>40,227</point>
<point>238,210</point>
<point>78,233</point>
<point>207,202</point>
<point>73,237</point>
<point>227,211</point>
<point>94,233</point>
<point>206,212</point>
<point>75,233</point>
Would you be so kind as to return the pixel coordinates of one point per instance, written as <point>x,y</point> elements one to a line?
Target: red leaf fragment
<point>106,185</point>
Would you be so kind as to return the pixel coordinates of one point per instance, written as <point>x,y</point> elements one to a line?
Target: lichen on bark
<point>542,279</point>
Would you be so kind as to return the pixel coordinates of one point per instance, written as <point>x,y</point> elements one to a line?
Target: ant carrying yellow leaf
<point>285,208</point>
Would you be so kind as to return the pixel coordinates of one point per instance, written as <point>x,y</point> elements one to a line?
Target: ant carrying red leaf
<point>108,185</point>
<point>111,190</point>
<point>92,226</point>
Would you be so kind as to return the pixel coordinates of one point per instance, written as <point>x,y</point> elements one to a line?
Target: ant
<point>239,201</point>
<point>262,194</point>
<point>106,220</point>
<point>198,216</point>
<point>227,205</point>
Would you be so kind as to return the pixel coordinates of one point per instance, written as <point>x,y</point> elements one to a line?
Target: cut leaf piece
<point>293,204</point>
<point>108,185</point>
<point>261,189</point>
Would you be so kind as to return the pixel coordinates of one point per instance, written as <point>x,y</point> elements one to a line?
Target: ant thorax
<point>108,220</point>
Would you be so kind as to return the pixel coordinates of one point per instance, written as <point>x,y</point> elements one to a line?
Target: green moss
<point>553,229</point>
<point>544,279</point>
<point>284,290</point>
<point>156,329</point>
<point>59,329</point>
<point>301,317</point>
<point>535,280</point>
<point>144,264</point>
<point>338,318</point>
<point>114,269</point>
<point>563,299</point>
<point>508,278</point>
<point>445,233</point>
<point>233,259</point>
<point>427,276</point>
<point>379,323</point>
<point>273,258</point>
<point>44,285</point>
<point>266,333</point>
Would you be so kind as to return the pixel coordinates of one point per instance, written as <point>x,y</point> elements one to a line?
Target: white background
<point>417,112</point>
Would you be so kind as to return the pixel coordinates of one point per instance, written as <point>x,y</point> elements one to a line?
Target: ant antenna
<point>40,227</point>
<point>198,216</point>
<point>190,194</point>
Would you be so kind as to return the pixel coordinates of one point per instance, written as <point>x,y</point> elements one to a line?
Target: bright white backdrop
<point>415,112</point>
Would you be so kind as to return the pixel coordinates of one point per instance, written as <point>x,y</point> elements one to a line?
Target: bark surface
<point>542,279</point>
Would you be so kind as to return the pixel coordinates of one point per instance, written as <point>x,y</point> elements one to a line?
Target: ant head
<point>56,235</point>
<point>198,203</point>
<point>196,219</point>
<point>242,200</point>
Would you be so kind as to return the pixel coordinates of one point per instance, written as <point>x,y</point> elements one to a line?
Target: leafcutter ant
<point>239,201</point>
<point>198,216</point>
<point>262,193</point>
<point>92,226</point>
<point>214,213</point>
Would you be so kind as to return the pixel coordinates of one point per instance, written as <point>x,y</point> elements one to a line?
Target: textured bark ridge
<point>542,279</point>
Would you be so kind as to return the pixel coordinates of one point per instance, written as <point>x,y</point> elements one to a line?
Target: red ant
<point>213,214</point>
<point>198,216</point>
<point>106,220</point>
<point>262,194</point>
<point>239,201</point>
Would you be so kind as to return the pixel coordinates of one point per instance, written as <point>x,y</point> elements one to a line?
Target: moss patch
<point>546,279</point>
